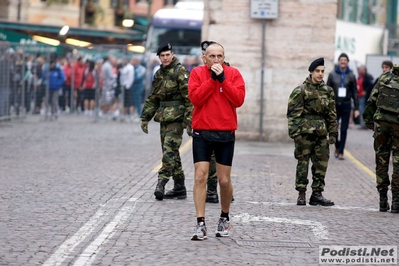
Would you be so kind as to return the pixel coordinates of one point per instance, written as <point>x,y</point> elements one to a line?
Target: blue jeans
<point>343,113</point>
<point>362,106</point>
<point>137,98</point>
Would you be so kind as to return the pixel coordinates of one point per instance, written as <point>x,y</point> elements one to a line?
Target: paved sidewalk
<point>78,192</point>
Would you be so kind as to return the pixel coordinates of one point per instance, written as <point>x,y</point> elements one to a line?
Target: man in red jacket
<point>216,91</point>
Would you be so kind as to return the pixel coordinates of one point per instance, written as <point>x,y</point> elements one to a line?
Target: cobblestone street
<point>80,192</point>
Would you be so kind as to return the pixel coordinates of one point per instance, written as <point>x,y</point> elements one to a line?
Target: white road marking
<point>348,208</point>
<point>318,229</point>
<point>70,244</point>
<point>89,254</point>
<point>66,248</point>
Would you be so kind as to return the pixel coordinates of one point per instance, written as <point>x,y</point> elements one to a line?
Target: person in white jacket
<point>126,81</point>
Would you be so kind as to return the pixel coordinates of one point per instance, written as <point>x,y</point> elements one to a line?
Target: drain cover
<point>287,244</point>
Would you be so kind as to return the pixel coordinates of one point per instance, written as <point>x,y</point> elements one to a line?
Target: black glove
<point>221,77</point>
<point>213,75</point>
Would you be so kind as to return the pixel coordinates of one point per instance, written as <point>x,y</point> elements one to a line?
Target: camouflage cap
<point>316,63</point>
<point>164,47</point>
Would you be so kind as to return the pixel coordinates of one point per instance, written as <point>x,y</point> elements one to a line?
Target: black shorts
<point>89,94</point>
<point>128,98</point>
<point>117,91</point>
<point>221,142</point>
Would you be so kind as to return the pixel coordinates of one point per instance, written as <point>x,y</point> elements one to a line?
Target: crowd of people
<point>72,83</point>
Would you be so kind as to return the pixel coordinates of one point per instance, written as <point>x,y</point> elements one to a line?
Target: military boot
<point>301,198</point>
<point>318,199</point>
<point>384,205</point>
<point>178,191</point>
<point>160,189</point>
<point>395,204</point>
<point>212,196</point>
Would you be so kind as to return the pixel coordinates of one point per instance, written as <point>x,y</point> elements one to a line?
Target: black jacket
<point>350,83</point>
<point>368,84</point>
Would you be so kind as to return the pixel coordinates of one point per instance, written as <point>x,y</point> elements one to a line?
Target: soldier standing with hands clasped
<point>168,104</point>
<point>311,118</point>
<point>382,116</point>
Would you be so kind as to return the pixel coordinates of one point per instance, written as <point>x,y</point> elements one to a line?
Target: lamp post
<point>149,13</point>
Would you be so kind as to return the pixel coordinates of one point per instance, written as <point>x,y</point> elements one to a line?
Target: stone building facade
<point>303,31</point>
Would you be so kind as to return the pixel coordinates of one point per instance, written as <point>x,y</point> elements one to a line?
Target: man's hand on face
<point>218,70</point>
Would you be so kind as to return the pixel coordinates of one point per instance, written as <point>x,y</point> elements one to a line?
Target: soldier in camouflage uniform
<point>311,118</point>
<point>168,104</point>
<point>382,116</point>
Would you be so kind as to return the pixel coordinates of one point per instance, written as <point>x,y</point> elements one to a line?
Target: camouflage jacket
<point>311,110</point>
<point>168,100</point>
<point>383,104</point>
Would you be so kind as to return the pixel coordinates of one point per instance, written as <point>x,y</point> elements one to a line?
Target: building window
<point>114,3</point>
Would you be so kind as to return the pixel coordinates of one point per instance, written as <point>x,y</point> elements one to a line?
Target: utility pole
<point>19,11</point>
<point>149,13</point>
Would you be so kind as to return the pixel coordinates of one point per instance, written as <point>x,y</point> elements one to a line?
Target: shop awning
<point>91,35</point>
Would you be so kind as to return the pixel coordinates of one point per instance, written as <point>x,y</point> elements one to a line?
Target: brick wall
<point>304,31</point>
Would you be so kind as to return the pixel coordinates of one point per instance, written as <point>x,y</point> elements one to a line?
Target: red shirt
<point>68,74</point>
<point>215,103</point>
<point>78,72</point>
<point>360,88</point>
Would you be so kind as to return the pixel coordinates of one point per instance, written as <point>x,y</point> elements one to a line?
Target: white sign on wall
<point>266,9</point>
<point>358,40</point>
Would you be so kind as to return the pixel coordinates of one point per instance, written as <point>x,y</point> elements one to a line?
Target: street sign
<point>264,9</point>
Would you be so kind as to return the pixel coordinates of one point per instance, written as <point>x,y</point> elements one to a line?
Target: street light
<point>127,23</point>
<point>64,30</point>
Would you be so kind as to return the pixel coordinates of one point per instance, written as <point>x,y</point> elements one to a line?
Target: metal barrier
<point>24,79</point>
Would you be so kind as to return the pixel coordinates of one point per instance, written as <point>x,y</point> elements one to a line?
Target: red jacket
<point>78,72</point>
<point>215,103</point>
<point>68,74</point>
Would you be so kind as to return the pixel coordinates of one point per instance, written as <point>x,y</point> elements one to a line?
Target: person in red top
<point>78,70</point>
<point>89,83</point>
<point>216,91</point>
<point>66,89</point>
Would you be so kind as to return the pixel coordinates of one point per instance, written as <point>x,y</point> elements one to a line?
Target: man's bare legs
<point>201,170</point>
<point>226,188</point>
<point>200,178</point>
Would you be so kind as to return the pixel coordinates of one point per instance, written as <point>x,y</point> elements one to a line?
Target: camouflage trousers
<point>386,140</point>
<point>171,139</point>
<point>212,176</point>
<point>315,149</point>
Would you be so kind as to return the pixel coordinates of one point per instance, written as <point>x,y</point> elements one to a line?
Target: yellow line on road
<point>359,164</point>
<point>186,146</point>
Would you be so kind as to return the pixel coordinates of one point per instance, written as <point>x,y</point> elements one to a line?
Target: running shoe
<point>224,227</point>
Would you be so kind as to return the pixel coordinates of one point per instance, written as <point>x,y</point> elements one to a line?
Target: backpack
<point>388,95</point>
<point>177,68</point>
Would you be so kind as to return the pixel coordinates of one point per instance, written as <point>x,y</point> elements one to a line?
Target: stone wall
<point>305,30</point>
